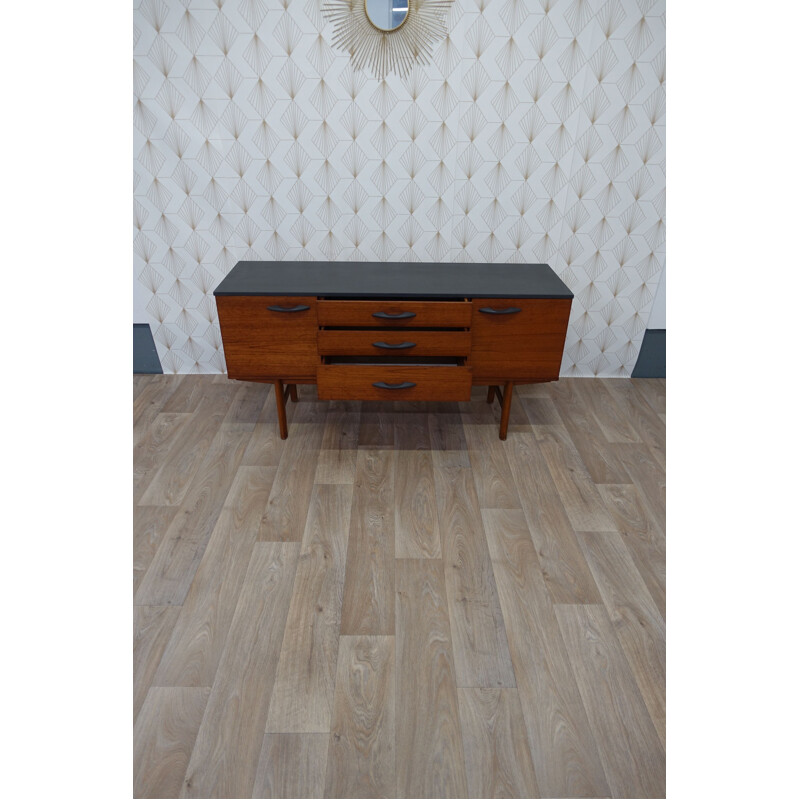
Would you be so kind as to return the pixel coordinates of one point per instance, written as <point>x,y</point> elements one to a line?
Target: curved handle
<point>288,310</point>
<point>500,310</point>
<point>384,385</point>
<point>401,346</point>
<point>399,315</point>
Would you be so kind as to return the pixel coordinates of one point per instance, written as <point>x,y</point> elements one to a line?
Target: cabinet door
<point>520,340</point>
<point>269,337</point>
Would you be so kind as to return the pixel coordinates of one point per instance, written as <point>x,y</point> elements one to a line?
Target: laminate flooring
<point>394,603</point>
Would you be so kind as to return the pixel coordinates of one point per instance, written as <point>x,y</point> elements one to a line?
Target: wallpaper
<point>537,134</point>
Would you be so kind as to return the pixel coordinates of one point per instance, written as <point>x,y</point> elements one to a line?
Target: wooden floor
<point>395,603</point>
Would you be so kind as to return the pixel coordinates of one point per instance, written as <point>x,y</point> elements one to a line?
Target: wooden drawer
<point>393,313</point>
<point>269,337</point>
<point>400,343</point>
<point>518,339</point>
<point>429,382</point>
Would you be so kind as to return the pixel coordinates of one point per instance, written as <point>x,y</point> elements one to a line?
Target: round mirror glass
<point>387,15</point>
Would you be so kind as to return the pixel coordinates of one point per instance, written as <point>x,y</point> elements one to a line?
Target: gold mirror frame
<point>387,30</point>
<point>383,52</point>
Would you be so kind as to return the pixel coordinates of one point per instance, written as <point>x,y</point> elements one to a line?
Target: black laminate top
<point>392,279</point>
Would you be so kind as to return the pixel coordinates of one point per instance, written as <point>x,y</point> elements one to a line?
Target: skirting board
<point>652,361</point>
<point>145,355</point>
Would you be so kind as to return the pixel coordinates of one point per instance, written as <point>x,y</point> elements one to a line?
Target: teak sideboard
<point>393,331</point>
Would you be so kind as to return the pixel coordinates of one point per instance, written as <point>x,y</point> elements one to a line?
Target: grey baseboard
<point>145,355</point>
<point>652,361</point>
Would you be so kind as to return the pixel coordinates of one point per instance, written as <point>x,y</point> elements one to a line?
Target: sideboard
<point>393,331</point>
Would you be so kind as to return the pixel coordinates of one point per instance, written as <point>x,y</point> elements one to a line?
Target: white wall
<point>537,135</point>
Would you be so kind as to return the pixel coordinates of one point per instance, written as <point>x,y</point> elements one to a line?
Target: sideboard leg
<point>293,392</point>
<point>281,402</point>
<point>507,389</point>
<point>490,395</point>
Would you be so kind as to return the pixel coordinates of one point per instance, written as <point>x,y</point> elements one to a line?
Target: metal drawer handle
<point>399,315</point>
<point>401,346</point>
<point>404,385</point>
<point>499,310</point>
<point>288,310</point>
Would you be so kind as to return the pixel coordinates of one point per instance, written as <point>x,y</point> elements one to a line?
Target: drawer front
<point>518,339</point>
<point>269,337</point>
<point>357,382</point>
<point>392,314</point>
<point>401,343</point>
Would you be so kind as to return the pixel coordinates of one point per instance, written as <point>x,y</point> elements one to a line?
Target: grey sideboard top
<point>392,279</point>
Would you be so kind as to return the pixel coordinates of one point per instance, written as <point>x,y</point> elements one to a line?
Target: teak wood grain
<point>360,313</point>
<point>260,343</point>
<point>366,343</point>
<point>524,345</point>
<point>357,382</point>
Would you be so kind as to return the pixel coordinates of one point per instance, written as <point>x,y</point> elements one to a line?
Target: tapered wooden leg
<point>281,402</point>
<point>490,395</point>
<point>507,389</point>
<point>293,392</point>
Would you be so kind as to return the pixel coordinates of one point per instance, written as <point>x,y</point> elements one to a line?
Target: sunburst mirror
<point>387,36</point>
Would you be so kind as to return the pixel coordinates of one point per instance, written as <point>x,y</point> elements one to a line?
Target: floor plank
<point>601,402</point>
<point>594,449</point>
<point>196,646</point>
<point>648,477</point>
<point>493,479</point>
<point>637,622</point>
<point>476,622</point>
<point>368,603</point>
<point>465,560</point>
<point>302,697</point>
<point>564,753</point>
<point>171,483</point>
<point>566,572</point>
<point>292,765</point>
<point>287,509</point>
<point>648,424</point>
<point>225,755</point>
<point>163,738</point>
<point>643,536</point>
<point>361,753</point>
<point>152,448</point>
<point>175,563</point>
<point>150,524</point>
<point>430,759</point>
<point>577,491</point>
<point>416,520</point>
<point>152,628</point>
<point>496,749</point>
<point>632,754</point>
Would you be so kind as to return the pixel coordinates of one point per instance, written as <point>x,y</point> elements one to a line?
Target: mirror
<point>386,15</point>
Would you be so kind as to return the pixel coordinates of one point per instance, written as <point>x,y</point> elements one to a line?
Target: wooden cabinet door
<point>269,337</point>
<point>519,340</point>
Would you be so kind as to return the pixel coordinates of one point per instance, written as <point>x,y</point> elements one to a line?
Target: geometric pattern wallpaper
<point>537,134</point>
